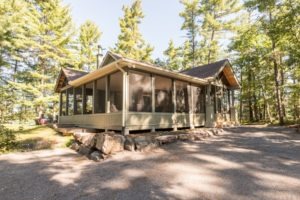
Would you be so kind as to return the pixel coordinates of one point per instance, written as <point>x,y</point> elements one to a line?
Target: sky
<point>160,24</point>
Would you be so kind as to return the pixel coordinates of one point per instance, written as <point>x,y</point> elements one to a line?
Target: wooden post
<point>67,102</point>
<point>232,97</point>
<point>83,99</point>
<point>191,105</point>
<point>174,106</point>
<point>74,102</point>
<point>60,104</point>
<point>229,101</point>
<point>125,130</point>
<point>94,97</point>
<point>153,100</point>
<point>107,97</point>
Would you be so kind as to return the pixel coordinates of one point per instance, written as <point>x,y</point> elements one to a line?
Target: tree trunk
<point>209,50</point>
<point>241,96</point>
<point>276,80</point>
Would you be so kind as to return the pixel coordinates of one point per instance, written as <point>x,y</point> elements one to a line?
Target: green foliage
<point>7,139</point>
<point>172,54</point>
<point>130,41</point>
<point>268,62</point>
<point>88,41</point>
<point>190,15</point>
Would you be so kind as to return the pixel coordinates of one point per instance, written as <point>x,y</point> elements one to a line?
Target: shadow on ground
<point>244,163</point>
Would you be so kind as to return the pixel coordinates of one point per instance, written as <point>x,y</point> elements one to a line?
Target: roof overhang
<point>229,75</point>
<point>125,62</point>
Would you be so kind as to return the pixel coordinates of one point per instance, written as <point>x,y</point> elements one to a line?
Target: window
<point>163,94</point>
<point>116,91</point>
<point>140,92</point>
<point>70,101</point>
<point>182,97</point>
<point>78,100</point>
<point>100,95</point>
<point>198,99</point>
<point>88,106</point>
<point>63,103</point>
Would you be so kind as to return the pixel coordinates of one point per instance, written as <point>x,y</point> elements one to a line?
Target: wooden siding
<point>144,120</point>
<point>98,121</point>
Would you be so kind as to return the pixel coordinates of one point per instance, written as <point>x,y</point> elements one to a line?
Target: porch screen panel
<point>78,100</point>
<point>140,92</point>
<point>198,99</point>
<point>88,107</point>
<point>182,97</point>
<point>116,91</point>
<point>225,100</point>
<point>70,101</point>
<point>64,103</point>
<point>163,95</point>
<point>100,95</point>
<point>219,101</point>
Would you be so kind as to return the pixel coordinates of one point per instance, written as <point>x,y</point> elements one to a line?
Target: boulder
<point>109,142</point>
<point>75,146</point>
<point>84,150</point>
<point>87,139</point>
<point>166,139</point>
<point>96,156</point>
<point>129,144</point>
<point>184,137</point>
<point>145,143</point>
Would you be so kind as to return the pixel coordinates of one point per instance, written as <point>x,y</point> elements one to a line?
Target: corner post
<point>125,129</point>
<point>209,121</point>
<point>60,103</point>
<point>174,106</point>
<point>153,102</point>
<point>191,106</point>
<point>107,97</point>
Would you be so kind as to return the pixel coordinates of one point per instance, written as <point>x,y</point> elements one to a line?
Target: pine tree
<point>269,11</point>
<point>172,55</point>
<point>88,41</point>
<point>130,41</point>
<point>50,34</point>
<point>190,16</point>
<point>216,18</point>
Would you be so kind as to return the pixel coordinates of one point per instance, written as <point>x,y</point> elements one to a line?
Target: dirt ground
<point>244,163</point>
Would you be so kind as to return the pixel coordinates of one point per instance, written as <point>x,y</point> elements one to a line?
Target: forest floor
<point>250,162</point>
<point>32,137</point>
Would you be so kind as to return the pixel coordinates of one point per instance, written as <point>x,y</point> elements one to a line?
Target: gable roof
<point>66,75</point>
<point>213,70</point>
<point>114,62</point>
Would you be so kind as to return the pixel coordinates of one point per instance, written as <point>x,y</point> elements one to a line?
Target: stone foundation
<point>99,146</point>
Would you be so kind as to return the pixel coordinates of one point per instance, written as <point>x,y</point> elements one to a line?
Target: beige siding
<point>100,121</point>
<point>144,120</point>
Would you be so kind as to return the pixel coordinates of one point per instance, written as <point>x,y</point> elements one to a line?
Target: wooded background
<point>260,37</point>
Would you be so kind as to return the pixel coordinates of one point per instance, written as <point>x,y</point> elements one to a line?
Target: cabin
<point>126,95</point>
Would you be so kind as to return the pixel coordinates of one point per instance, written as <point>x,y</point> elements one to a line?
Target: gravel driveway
<point>243,163</point>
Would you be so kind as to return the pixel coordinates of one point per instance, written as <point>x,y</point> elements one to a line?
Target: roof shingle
<point>72,74</point>
<point>205,71</point>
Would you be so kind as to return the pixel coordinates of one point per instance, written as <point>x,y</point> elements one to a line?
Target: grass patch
<point>32,137</point>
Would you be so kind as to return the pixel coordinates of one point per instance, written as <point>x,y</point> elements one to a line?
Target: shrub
<point>7,138</point>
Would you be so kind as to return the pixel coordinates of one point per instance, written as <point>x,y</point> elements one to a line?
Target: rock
<point>87,139</point>
<point>197,136</point>
<point>129,144</point>
<point>184,137</point>
<point>96,156</point>
<point>75,146</point>
<point>166,139</point>
<point>84,150</point>
<point>145,143</point>
<point>109,142</point>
